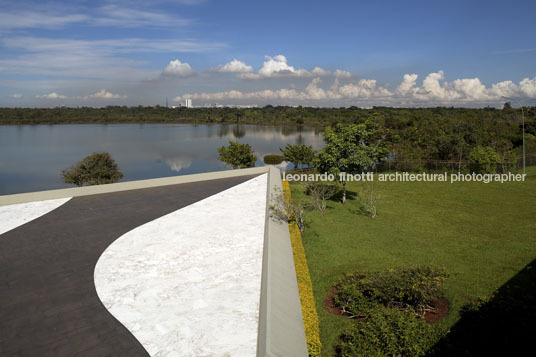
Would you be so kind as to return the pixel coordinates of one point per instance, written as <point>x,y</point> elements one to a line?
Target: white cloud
<point>342,74</point>
<point>111,15</point>
<point>317,71</point>
<point>178,69</point>
<point>34,19</point>
<point>235,66</point>
<point>107,60</point>
<point>16,95</point>
<point>407,86</point>
<point>52,95</point>
<point>528,87</point>
<point>276,67</point>
<point>104,94</point>
<point>471,88</point>
<point>434,91</point>
<point>120,16</point>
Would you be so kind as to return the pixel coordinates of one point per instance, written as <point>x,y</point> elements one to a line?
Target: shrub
<point>271,159</point>
<point>320,193</point>
<point>95,169</point>
<point>236,155</point>
<point>284,208</point>
<point>388,332</point>
<point>403,288</point>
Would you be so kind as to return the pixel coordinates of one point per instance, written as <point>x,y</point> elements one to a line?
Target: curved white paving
<point>12,216</point>
<point>188,283</point>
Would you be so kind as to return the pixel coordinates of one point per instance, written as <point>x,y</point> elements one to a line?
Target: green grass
<point>483,234</point>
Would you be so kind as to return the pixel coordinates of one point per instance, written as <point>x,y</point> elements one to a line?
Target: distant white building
<point>188,103</point>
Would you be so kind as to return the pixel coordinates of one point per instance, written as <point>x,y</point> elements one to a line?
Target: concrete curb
<point>125,186</point>
<point>281,330</point>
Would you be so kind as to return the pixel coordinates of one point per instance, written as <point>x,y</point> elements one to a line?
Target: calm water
<point>32,157</point>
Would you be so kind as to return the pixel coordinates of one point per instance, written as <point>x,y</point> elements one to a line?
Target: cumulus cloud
<point>276,67</point>
<point>104,94</point>
<point>362,89</point>
<point>434,89</point>
<point>235,66</point>
<point>16,95</point>
<point>407,86</point>
<point>342,74</point>
<point>317,71</point>
<point>528,87</point>
<point>52,95</point>
<point>178,69</point>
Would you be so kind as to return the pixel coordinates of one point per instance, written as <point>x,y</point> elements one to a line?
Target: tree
<point>298,154</point>
<point>484,159</point>
<point>351,149</point>
<point>236,155</point>
<point>95,169</point>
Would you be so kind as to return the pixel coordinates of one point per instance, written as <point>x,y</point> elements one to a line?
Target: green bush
<point>236,155</point>
<point>412,288</point>
<point>388,332</point>
<point>95,169</point>
<point>271,159</point>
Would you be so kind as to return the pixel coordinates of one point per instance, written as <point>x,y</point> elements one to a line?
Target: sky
<point>314,53</point>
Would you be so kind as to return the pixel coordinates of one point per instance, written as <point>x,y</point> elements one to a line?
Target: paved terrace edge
<point>281,330</point>
<point>125,186</point>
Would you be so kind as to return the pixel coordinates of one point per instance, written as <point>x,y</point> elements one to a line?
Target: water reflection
<point>32,157</point>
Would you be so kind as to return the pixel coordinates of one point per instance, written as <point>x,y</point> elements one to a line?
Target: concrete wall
<point>281,330</point>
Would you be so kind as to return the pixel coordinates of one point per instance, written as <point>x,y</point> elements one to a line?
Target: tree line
<point>416,137</point>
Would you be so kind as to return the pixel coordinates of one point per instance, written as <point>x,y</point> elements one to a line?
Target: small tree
<point>287,209</point>
<point>236,155</point>
<point>351,149</point>
<point>320,192</point>
<point>298,154</point>
<point>95,169</point>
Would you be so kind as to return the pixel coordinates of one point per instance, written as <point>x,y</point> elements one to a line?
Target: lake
<point>32,157</point>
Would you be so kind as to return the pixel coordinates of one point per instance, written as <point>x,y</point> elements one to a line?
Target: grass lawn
<point>483,234</point>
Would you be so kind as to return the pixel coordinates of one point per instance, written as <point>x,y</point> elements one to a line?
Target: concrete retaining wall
<point>281,331</point>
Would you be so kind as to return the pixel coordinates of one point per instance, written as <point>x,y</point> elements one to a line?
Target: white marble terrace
<point>188,283</point>
<point>13,216</point>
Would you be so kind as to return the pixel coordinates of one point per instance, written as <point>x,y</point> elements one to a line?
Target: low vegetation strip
<point>310,317</point>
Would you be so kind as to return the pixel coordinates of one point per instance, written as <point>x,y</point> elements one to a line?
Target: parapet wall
<point>281,330</point>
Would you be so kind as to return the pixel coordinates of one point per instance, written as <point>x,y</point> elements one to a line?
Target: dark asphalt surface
<point>48,302</point>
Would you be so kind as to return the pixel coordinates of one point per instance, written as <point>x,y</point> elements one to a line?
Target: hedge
<point>310,317</point>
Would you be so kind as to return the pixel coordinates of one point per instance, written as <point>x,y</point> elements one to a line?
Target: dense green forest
<point>419,137</point>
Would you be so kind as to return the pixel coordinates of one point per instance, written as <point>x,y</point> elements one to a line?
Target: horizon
<point>414,55</point>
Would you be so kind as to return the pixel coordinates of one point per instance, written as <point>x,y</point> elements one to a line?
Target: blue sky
<point>337,53</point>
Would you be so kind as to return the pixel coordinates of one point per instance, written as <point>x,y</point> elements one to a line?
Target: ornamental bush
<point>388,332</point>
<point>237,155</point>
<point>271,159</point>
<point>95,169</point>
<point>413,289</point>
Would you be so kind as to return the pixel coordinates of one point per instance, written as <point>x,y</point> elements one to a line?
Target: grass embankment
<point>483,234</point>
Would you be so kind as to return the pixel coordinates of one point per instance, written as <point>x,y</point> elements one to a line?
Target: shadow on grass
<point>505,325</point>
<point>350,195</point>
